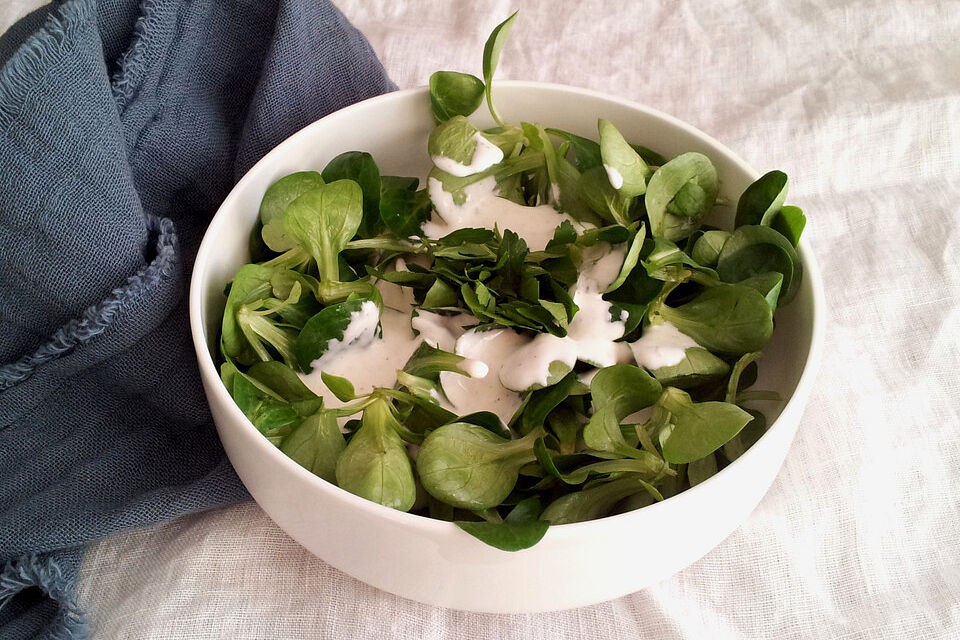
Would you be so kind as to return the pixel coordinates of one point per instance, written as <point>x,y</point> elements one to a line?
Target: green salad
<point>547,330</point>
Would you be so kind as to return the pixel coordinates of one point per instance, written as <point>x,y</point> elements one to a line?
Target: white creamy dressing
<point>587,376</point>
<point>483,208</point>
<point>440,331</point>
<point>555,191</point>
<point>616,180</point>
<point>486,155</point>
<point>594,332</point>
<point>601,266</point>
<point>468,395</point>
<point>475,368</point>
<point>360,351</point>
<point>639,417</point>
<point>661,345</point>
<point>394,296</point>
<point>529,365</point>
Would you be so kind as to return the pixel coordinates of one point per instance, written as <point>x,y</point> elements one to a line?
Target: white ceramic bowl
<point>434,561</point>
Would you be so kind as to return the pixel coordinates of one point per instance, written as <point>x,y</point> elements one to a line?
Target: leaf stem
<point>291,259</point>
<point>384,243</point>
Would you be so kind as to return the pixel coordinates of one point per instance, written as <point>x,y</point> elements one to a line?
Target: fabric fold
<point>123,125</point>
<point>98,318</point>
<point>45,605</point>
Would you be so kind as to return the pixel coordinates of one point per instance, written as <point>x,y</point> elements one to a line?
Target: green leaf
<point>257,322</point>
<point>283,281</point>
<point>634,297</point>
<point>404,210</point>
<point>761,201</point>
<point>611,234</point>
<point>331,292</point>
<point>274,204</point>
<point>227,372</point>
<point>768,285</point>
<point>269,414</point>
<point>698,367</point>
<point>597,193</point>
<point>603,434</point>
<point>747,437</point>
<point>340,387</point>
<point>699,428</point>
<point>542,401</point>
<point>597,501</point>
<point>561,185</point>
<point>467,466</point>
<point>700,470</point>
<point>286,384</point>
<point>467,252</point>
<point>323,220</point>
<point>790,222</point>
<point>565,424</point>
<point>454,94</point>
<point>680,194</point>
<point>282,380</point>
<point>630,261</point>
<point>491,57</point>
<point>586,152</point>
<point>316,444</point>
<point>739,368</point>
<point>726,318</point>
<point>617,391</point>
<point>454,139</point>
<point>385,243</point>
<point>251,283</point>
<point>510,262</point>
<point>422,388</point>
<point>488,420</point>
<point>259,251</point>
<point>330,324</point>
<point>375,464</point>
<point>625,388</point>
<point>427,362</point>
<point>626,170</point>
<point>440,295</point>
<point>455,185</point>
<point>507,138</point>
<point>558,310</point>
<point>296,258</point>
<point>650,156</point>
<point>646,464</point>
<point>707,248</point>
<point>661,253</point>
<point>755,250</point>
<point>360,167</point>
<point>519,530</point>
<point>388,183</point>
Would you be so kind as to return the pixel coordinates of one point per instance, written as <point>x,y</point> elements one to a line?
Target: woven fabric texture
<point>123,124</point>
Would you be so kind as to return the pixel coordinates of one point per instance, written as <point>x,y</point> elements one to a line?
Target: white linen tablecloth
<point>859,102</point>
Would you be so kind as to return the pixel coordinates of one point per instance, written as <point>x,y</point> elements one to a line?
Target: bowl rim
<point>205,252</point>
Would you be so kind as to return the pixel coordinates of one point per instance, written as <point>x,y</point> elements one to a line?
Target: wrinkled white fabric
<point>859,102</point>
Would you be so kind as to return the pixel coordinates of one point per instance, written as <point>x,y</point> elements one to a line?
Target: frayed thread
<point>98,318</point>
<point>32,571</point>
<point>35,57</point>
<point>128,78</point>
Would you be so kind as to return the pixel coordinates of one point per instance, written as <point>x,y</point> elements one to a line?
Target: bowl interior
<point>394,129</point>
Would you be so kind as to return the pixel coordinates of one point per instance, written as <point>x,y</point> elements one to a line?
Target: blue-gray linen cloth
<point>123,124</point>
